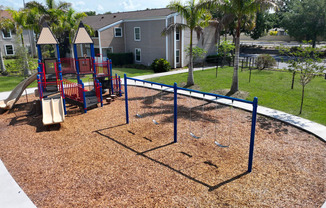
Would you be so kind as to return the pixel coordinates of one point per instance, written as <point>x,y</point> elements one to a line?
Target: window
<point>9,49</point>
<point>6,34</point>
<point>110,50</point>
<point>177,56</point>
<point>137,54</point>
<point>177,34</point>
<point>117,32</point>
<point>137,33</point>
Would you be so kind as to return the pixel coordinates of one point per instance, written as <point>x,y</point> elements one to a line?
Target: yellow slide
<point>53,111</point>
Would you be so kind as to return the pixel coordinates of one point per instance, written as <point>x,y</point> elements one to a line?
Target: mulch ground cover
<point>96,160</point>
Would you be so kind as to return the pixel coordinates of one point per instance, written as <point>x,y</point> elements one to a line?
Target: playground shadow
<point>156,161</point>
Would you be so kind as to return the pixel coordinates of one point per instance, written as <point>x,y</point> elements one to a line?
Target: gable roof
<point>46,36</point>
<point>82,35</point>
<point>100,21</point>
<point>5,14</point>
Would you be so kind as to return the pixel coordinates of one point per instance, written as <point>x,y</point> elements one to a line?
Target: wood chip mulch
<point>96,160</point>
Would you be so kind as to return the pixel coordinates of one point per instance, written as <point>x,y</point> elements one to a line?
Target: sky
<point>100,6</point>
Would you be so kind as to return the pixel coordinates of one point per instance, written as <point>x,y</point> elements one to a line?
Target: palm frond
<point>173,26</point>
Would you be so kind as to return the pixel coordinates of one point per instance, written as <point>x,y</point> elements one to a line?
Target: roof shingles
<point>100,21</point>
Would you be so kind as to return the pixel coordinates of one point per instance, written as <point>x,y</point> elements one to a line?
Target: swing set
<point>190,93</point>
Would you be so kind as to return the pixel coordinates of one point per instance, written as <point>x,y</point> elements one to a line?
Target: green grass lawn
<point>8,83</point>
<point>271,87</point>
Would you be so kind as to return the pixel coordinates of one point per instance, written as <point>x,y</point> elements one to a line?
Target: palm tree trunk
<point>190,80</point>
<point>2,65</point>
<point>27,72</point>
<point>235,78</point>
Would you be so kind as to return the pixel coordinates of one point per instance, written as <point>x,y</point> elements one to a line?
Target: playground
<point>97,160</point>
<point>146,144</point>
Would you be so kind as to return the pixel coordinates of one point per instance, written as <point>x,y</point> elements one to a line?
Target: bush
<point>273,33</point>
<point>120,59</point>
<point>160,65</point>
<point>265,61</point>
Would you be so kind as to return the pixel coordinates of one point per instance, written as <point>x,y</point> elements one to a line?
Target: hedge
<point>120,59</point>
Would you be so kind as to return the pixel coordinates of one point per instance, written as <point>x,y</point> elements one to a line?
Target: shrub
<point>160,65</point>
<point>265,61</point>
<point>273,33</point>
<point>120,59</point>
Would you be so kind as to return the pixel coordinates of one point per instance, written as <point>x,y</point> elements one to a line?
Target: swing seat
<point>220,145</point>
<point>138,115</point>
<point>194,136</point>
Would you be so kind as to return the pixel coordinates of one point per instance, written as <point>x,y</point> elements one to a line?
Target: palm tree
<point>5,24</point>
<point>19,22</point>
<point>240,9</point>
<point>62,19</point>
<point>66,29</point>
<point>50,13</point>
<point>196,17</point>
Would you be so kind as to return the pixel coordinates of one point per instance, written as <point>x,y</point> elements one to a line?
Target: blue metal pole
<point>110,65</point>
<point>100,93</point>
<point>93,60</point>
<point>119,80</point>
<point>61,83</point>
<point>126,99</point>
<point>111,77</point>
<point>40,69</point>
<point>39,52</point>
<point>84,96</point>
<point>175,120</point>
<point>76,62</point>
<point>252,135</point>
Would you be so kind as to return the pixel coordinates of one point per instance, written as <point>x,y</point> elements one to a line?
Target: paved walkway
<point>12,196</point>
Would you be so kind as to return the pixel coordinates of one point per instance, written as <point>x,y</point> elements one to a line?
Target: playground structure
<point>55,91</point>
<point>195,119</point>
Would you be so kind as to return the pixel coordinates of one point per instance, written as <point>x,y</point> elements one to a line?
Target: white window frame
<point>176,56</point>
<point>115,32</point>
<point>136,54</point>
<point>3,35</point>
<point>177,34</point>
<point>111,48</point>
<point>13,50</point>
<point>135,34</point>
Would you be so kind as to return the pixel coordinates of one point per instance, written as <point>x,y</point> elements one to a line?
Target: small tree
<point>225,49</point>
<point>307,62</point>
<point>265,61</point>
<point>197,53</point>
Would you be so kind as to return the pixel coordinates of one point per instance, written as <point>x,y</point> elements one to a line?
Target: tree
<point>51,13</point>
<point>263,23</point>
<point>62,19</point>
<point>19,18</point>
<point>5,24</point>
<point>90,13</point>
<point>307,62</point>
<point>306,20</point>
<point>66,29</point>
<point>241,9</point>
<point>197,18</point>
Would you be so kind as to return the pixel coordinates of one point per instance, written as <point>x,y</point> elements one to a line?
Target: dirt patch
<point>96,160</point>
<point>238,94</point>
